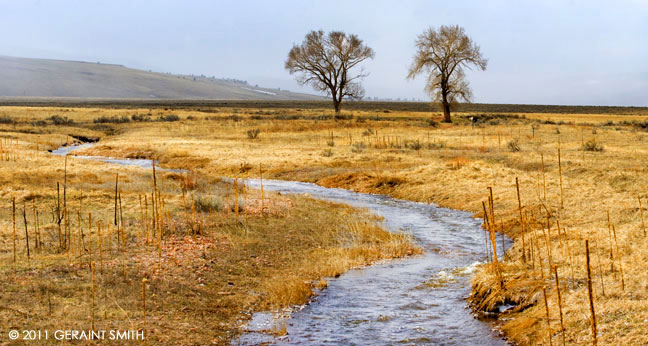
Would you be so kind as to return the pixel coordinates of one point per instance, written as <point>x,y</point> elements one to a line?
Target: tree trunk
<point>336,105</point>
<point>446,112</point>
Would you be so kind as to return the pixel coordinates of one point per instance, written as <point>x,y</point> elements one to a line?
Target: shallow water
<point>142,163</point>
<point>412,301</point>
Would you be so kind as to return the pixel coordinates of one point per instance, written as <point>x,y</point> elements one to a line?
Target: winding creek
<point>413,301</point>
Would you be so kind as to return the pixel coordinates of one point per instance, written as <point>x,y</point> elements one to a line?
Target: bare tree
<point>325,60</point>
<point>443,55</point>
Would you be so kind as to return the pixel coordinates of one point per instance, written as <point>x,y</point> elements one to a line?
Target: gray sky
<point>540,52</point>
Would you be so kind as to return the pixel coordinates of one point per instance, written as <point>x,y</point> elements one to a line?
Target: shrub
<point>437,145</point>
<point>59,120</point>
<point>253,134</point>
<point>414,145</point>
<point>513,145</point>
<point>139,117</point>
<point>368,132</point>
<point>341,116</point>
<point>244,167</point>
<point>327,153</point>
<point>169,117</point>
<point>358,147</point>
<point>207,203</point>
<point>5,119</point>
<point>114,119</point>
<point>458,163</point>
<point>433,123</point>
<point>593,145</point>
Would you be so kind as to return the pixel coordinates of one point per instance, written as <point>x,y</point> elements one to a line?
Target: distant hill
<point>26,77</point>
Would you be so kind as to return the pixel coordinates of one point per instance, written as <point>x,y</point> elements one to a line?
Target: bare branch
<point>443,55</point>
<point>324,61</point>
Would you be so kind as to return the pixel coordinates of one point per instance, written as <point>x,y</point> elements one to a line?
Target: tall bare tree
<point>325,61</point>
<point>443,55</point>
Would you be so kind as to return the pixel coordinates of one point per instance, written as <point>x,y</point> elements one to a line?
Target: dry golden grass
<point>452,166</point>
<point>195,284</point>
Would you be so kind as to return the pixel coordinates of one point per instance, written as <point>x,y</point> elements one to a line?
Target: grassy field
<point>565,200</point>
<point>206,268</point>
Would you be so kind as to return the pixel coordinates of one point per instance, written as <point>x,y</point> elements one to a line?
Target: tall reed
<point>92,306</point>
<point>562,200</point>
<point>13,208</point>
<point>590,295</point>
<point>261,181</point>
<point>544,295</point>
<point>144,298</point>
<point>517,187</point>
<point>610,243</point>
<point>618,258</point>
<point>562,324</point>
<point>643,226</point>
<point>26,232</point>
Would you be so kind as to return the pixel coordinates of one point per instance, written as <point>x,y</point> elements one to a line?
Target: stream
<point>418,300</point>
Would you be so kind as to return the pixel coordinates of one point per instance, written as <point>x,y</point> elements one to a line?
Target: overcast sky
<point>539,52</point>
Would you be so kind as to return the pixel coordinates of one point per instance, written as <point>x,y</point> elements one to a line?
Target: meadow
<point>580,174</point>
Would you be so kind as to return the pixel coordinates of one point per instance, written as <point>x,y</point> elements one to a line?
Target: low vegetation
<point>566,193</point>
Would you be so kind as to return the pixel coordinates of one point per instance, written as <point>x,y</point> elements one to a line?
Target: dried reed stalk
<point>13,208</point>
<point>116,189</point>
<point>517,187</point>
<point>261,180</point>
<point>90,239</point>
<point>544,181</point>
<point>590,295</point>
<point>643,226</point>
<point>618,258</point>
<point>236,198</point>
<point>487,231</point>
<point>146,221</point>
<point>121,220</point>
<point>184,203</point>
<point>99,245</point>
<point>610,243</point>
<point>144,298</point>
<point>562,324</point>
<point>562,201</point>
<point>92,307</point>
<point>26,232</point>
<point>544,295</point>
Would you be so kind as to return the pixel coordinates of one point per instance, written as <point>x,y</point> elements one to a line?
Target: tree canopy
<point>443,55</point>
<point>325,61</point>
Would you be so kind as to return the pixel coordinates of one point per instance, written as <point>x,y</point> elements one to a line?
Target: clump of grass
<point>59,120</point>
<point>593,145</point>
<point>113,119</point>
<point>358,147</point>
<point>458,162</point>
<point>5,119</point>
<point>140,117</point>
<point>169,117</point>
<point>206,204</point>
<point>414,145</point>
<point>327,153</point>
<point>432,123</point>
<point>513,145</point>
<point>253,133</point>
<point>437,145</point>
<point>368,132</point>
<point>330,142</point>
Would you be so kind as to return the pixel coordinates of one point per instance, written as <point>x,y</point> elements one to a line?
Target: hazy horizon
<point>549,52</point>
